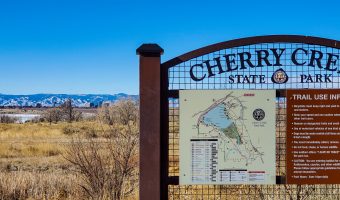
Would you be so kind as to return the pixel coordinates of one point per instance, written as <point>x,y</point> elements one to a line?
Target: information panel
<point>313,136</point>
<point>227,137</point>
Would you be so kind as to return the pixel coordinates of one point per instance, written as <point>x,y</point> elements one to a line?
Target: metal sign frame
<point>155,92</point>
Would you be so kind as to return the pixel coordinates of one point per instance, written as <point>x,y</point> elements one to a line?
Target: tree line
<point>65,112</point>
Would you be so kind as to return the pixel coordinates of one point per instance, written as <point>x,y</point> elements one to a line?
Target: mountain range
<point>51,100</point>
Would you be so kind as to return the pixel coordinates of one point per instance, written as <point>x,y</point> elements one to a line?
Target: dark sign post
<point>150,122</point>
<point>291,65</point>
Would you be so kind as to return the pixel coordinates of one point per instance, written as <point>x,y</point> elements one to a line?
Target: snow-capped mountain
<point>50,100</point>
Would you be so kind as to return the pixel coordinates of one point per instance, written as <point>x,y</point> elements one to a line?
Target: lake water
<point>217,117</point>
<point>22,118</point>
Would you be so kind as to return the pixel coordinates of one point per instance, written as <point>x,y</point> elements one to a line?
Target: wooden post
<point>150,121</point>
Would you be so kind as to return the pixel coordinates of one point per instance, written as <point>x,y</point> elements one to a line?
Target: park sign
<point>257,110</point>
<point>236,62</point>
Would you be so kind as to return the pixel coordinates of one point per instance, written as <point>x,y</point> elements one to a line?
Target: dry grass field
<point>32,163</point>
<point>78,160</point>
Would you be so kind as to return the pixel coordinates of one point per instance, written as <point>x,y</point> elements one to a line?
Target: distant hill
<point>50,100</point>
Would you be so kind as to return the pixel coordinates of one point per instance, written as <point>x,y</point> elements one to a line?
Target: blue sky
<point>81,46</point>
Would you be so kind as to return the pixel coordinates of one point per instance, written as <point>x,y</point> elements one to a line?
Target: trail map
<point>227,137</point>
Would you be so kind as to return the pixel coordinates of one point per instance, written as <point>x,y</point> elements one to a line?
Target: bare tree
<point>7,119</point>
<point>67,108</point>
<point>105,115</point>
<point>48,116</point>
<point>53,115</point>
<point>109,167</point>
<point>70,114</point>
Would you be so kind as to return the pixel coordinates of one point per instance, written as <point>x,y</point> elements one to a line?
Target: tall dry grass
<point>34,185</point>
<point>29,149</point>
<point>31,162</point>
<point>44,131</point>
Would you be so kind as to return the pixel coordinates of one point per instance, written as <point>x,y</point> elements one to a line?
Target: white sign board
<point>227,137</point>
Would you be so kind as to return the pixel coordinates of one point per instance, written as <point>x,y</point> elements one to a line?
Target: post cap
<point>149,50</point>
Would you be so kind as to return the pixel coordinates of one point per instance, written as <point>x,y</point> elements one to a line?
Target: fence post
<point>150,121</point>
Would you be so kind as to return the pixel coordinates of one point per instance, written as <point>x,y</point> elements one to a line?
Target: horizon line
<point>66,94</point>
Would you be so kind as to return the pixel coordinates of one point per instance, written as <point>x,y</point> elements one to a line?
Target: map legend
<point>204,160</point>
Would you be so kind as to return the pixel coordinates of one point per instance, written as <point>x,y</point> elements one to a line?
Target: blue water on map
<point>217,117</point>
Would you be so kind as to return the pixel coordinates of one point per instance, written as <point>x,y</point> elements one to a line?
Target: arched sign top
<point>274,61</point>
<point>310,40</point>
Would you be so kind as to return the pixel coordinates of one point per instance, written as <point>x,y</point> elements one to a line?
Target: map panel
<point>227,137</point>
